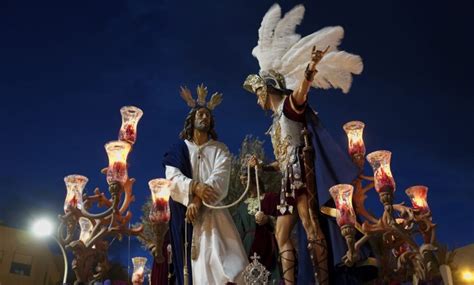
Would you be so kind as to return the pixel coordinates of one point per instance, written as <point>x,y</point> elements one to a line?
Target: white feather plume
<point>300,52</point>
<point>285,36</point>
<point>280,48</point>
<point>335,70</point>
<point>265,37</point>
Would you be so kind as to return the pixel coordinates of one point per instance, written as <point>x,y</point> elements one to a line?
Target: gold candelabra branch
<point>90,248</point>
<point>397,227</point>
<point>90,262</point>
<point>359,198</point>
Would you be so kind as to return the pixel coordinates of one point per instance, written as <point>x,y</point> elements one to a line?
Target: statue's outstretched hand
<point>316,56</point>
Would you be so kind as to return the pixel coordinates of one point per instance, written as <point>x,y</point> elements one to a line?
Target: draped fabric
<point>332,166</point>
<point>159,271</point>
<point>260,239</point>
<point>219,254</point>
<point>178,156</point>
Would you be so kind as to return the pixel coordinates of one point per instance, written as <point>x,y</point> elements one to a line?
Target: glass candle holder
<point>75,186</point>
<point>130,117</point>
<point>117,151</point>
<point>160,193</point>
<point>354,131</point>
<point>380,162</point>
<point>139,269</point>
<point>418,196</point>
<point>342,196</point>
<point>86,229</point>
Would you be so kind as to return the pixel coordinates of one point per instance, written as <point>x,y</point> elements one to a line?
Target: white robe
<point>221,255</point>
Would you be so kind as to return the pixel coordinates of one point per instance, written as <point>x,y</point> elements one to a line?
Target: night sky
<point>66,68</point>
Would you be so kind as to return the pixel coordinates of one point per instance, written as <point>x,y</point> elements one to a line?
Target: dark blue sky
<point>66,68</point>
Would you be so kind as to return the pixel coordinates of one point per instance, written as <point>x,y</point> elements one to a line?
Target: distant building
<point>26,260</point>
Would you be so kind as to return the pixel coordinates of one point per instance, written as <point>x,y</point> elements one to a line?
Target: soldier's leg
<point>316,240</point>
<point>284,226</point>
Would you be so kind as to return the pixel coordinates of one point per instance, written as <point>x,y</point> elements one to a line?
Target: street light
<point>44,227</point>
<point>468,276</point>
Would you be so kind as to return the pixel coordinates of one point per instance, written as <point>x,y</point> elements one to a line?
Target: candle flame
<point>117,151</point>
<point>418,196</point>
<point>354,131</point>
<point>160,189</point>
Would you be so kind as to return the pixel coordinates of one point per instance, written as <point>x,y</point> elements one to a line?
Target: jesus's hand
<point>205,192</point>
<point>192,212</point>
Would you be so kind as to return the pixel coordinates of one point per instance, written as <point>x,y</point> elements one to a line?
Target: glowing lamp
<point>468,276</point>
<point>117,151</point>
<point>356,147</point>
<point>342,196</point>
<point>380,162</point>
<point>418,195</point>
<point>130,117</point>
<point>42,227</point>
<point>86,229</point>
<point>139,269</point>
<point>75,185</point>
<point>160,194</point>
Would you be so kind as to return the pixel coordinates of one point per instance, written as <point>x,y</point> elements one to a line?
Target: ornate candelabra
<point>398,227</point>
<point>90,246</point>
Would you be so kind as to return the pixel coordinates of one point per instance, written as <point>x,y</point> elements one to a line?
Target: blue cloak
<point>332,166</point>
<point>178,156</point>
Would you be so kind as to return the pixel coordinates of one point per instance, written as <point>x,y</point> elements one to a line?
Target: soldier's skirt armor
<point>287,146</point>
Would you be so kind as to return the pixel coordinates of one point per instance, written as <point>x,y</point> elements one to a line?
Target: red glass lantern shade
<point>354,131</point>
<point>130,117</point>
<point>75,186</point>
<point>418,196</point>
<point>380,162</point>
<point>342,195</point>
<point>117,151</point>
<point>160,192</point>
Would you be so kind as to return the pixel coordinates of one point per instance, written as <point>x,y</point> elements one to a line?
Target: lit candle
<point>130,117</point>
<point>139,268</point>
<point>86,229</point>
<point>354,131</point>
<point>342,196</point>
<point>380,162</point>
<point>418,196</point>
<point>160,192</point>
<point>75,185</point>
<point>117,151</point>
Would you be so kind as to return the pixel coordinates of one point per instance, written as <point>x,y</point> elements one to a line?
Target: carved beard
<point>201,126</point>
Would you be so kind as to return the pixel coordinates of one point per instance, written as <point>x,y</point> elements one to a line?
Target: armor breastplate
<point>285,135</point>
